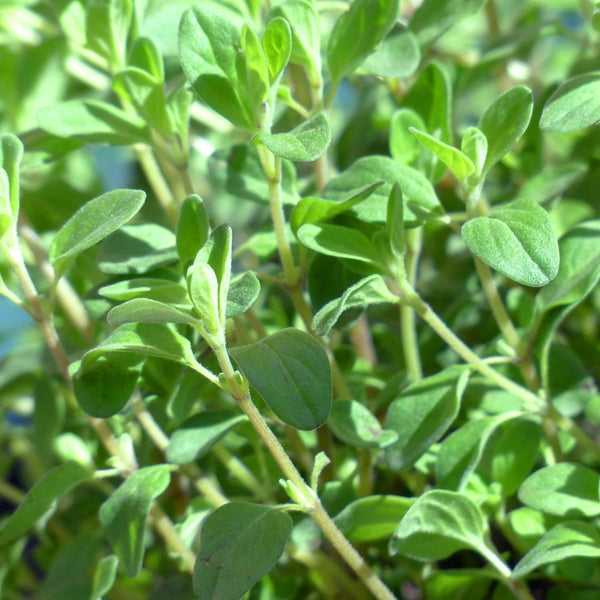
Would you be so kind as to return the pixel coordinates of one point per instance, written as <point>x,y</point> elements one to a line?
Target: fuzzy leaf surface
<point>291,372</point>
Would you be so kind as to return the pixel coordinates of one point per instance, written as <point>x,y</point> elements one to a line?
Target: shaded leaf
<point>95,122</point>
<point>39,500</point>
<point>238,171</point>
<point>397,56</point>
<point>94,221</point>
<point>417,192</point>
<point>357,32</point>
<point>422,414</point>
<point>355,425</point>
<point>369,290</point>
<point>291,372</point>
<point>563,541</point>
<point>103,386</point>
<point>225,567</point>
<point>372,518</point>
<point>194,438</point>
<point>192,228</point>
<point>461,451</point>
<point>137,248</point>
<point>104,576</point>
<point>433,17</point>
<point>123,515</point>
<point>316,210</point>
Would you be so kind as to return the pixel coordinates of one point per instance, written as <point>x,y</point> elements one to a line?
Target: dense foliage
<point>312,297</point>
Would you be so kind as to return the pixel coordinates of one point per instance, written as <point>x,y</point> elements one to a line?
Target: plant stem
<point>240,471</point>
<point>11,493</point>
<point>167,530</point>
<point>408,324</point>
<point>157,181</point>
<point>271,165</point>
<point>66,295</point>
<point>532,401</point>
<point>308,498</point>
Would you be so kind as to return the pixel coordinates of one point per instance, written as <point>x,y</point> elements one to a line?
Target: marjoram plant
<point>313,299</point>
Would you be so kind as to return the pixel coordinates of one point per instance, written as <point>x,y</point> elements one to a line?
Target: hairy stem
<point>309,498</point>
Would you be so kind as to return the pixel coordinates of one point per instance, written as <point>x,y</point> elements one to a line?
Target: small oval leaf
<point>94,221</point>
<point>291,372</point>
<point>239,543</point>
<point>518,240</point>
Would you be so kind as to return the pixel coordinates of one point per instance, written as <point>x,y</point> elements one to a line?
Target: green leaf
<point>144,310</point>
<point>238,172</point>
<point>553,181</point>
<point>147,95</point>
<point>145,55</point>
<point>574,105</point>
<point>372,518</point>
<point>94,221</point>
<point>192,228</point>
<point>437,525</point>
<point>291,372</point>
<point>357,32</point>
<point>107,29</point>
<point>423,413</point>
<point>11,154</point>
<point>397,56</point>
<point>369,290</point>
<point>563,541</point>
<point>316,210</point>
<point>515,454</point>
<point>217,254</point>
<point>209,51</point>
<point>276,42</point>
<point>163,290</point>
<point>203,288</point>
<point>303,19</point>
<point>95,122</point>
<point>433,17</point>
<point>195,437</point>
<point>150,339</point>
<point>104,576</point>
<point>137,248</point>
<point>239,543</point>
<point>505,121</point>
<point>454,159</point>
<point>243,291</point>
<point>257,76</point>
<point>7,220</point>
<point>335,240</point>
<point>355,425</point>
<point>579,270</point>
<point>306,142</point>
<point>461,451</point>
<point>518,240</point>
<point>124,514</point>
<point>431,97</point>
<point>417,192</point>
<point>103,386</point>
<point>404,148</point>
<point>563,489</point>
<point>474,145</point>
<point>40,499</point>
<point>395,221</point>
